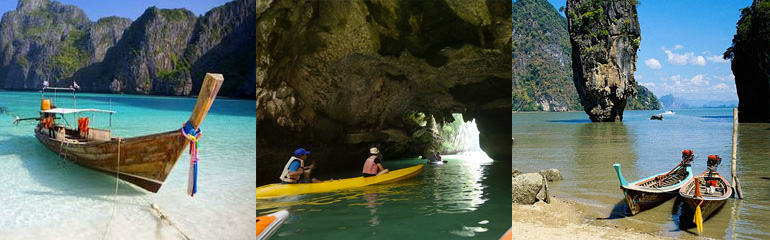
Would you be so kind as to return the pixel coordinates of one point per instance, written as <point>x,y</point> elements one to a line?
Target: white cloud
<point>675,78</point>
<point>677,59</point>
<point>678,46</point>
<point>638,77</point>
<point>696,87</point>
<point>652,63</point>
<point>698,80</point>
<point>685,58</point>
<point>699,60</point>
<point>717,59</point>
<point>720,86</point>
<point>649,85</point>
<point>725,78</point>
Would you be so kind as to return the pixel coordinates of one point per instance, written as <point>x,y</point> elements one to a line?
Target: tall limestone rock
<point>750,54</point>
<point>604,36</point>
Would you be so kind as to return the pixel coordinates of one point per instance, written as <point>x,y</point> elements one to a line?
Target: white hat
<point>373,150</point>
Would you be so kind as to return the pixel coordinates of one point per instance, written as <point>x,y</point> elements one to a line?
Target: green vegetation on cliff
<point>541,64</point>
<point>750,62</point>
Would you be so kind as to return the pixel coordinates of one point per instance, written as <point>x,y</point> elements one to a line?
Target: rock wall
<point>165,51</point>
<point>340,77</point>
<point>750,54</point>
<point>604,36</point>
<point>41,41</point>
<point>542,66</point>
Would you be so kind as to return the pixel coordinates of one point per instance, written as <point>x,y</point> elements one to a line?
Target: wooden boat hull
<point>639,201</point>
<point>645,194</point>
<point>711,203</point>
<point>145,161</point>
<point>280,190</point>
<point>707,208</point>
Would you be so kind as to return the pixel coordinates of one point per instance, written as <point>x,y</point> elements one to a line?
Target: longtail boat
<point>707,192</point>
<point>144,161</point>
<point>653,190</point>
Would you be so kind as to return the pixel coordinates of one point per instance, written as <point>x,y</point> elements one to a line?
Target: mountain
<point>542,62</point>
<point>541,66</point>
<point>47,41</point>
<point>670,102</point>
<point>644,100</point>
<point>163,52</point>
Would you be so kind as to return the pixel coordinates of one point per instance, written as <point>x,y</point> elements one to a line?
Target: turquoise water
<point>585,152</point>
<point>466,198</point>
<point>43,197</point>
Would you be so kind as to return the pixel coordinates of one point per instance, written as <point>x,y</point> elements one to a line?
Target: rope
<point>192,134</point>
<point>117,180</point>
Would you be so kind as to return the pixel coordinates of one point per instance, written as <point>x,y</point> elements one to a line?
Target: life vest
<point>47,122</point>
<point>285,175</point>
<point>369,166</point>
<point>83,126</point>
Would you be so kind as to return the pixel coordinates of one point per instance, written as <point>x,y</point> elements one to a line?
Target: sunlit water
<point>45,198</point>
<point>466,198</point>
<point>585,152</point>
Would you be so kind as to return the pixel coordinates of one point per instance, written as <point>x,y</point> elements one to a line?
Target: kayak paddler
<point>295,167</point>
<point>373,164</point>
<point>432,157</point>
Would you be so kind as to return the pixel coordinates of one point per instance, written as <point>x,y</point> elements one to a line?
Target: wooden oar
<point>698,219</point>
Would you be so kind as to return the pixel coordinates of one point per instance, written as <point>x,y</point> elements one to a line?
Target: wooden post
<point>736,184</point>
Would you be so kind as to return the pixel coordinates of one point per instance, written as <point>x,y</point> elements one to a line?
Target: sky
<point>132,9</point>
<point>682,46</point>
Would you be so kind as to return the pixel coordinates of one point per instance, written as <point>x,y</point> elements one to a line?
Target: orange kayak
<point>507,235</point>
<point>268,224</point>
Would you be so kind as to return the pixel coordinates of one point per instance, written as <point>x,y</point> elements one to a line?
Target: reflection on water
<point>454,200</point>
<point>585,152</point>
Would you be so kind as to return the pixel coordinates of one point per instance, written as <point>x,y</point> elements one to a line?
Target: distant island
<point>671,102</point>
<point>163,52</point>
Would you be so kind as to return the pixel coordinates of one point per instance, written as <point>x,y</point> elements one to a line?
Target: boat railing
<point>55,90</point>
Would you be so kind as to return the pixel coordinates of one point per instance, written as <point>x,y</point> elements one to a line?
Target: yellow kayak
<point>280,190</point>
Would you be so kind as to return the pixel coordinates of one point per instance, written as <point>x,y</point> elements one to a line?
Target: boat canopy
<point>73,110</point>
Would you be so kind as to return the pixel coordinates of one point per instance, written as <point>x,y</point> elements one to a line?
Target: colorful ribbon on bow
<point>194,135</point>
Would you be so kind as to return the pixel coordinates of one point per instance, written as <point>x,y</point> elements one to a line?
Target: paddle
<point>698,219</point>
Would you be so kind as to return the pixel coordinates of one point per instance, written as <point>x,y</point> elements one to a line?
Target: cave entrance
<point>461,137</point>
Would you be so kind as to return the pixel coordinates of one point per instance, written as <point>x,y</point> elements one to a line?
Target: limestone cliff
<point>340,77</point>
<point>542,67</point>
<point>604,36</point>
<point>165,51</point>
<point>750,54</point>
<point>144,59</point>
<point>44,32</point>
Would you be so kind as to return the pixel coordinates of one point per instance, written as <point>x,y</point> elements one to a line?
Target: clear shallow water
<point>466,198</point>
<point>584,152</point>
<point>43,197</point>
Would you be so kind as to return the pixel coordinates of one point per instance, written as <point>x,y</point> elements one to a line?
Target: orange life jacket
<point>369,166</point>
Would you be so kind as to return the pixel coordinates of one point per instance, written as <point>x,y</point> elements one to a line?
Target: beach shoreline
<point>562,219</point>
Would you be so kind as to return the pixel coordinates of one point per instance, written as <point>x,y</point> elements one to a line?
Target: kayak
<point>268,224</point>
<point>280,190</point>
<point>438,162</point>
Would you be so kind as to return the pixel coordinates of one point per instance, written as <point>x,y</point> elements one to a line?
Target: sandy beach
<point>562,219</point>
